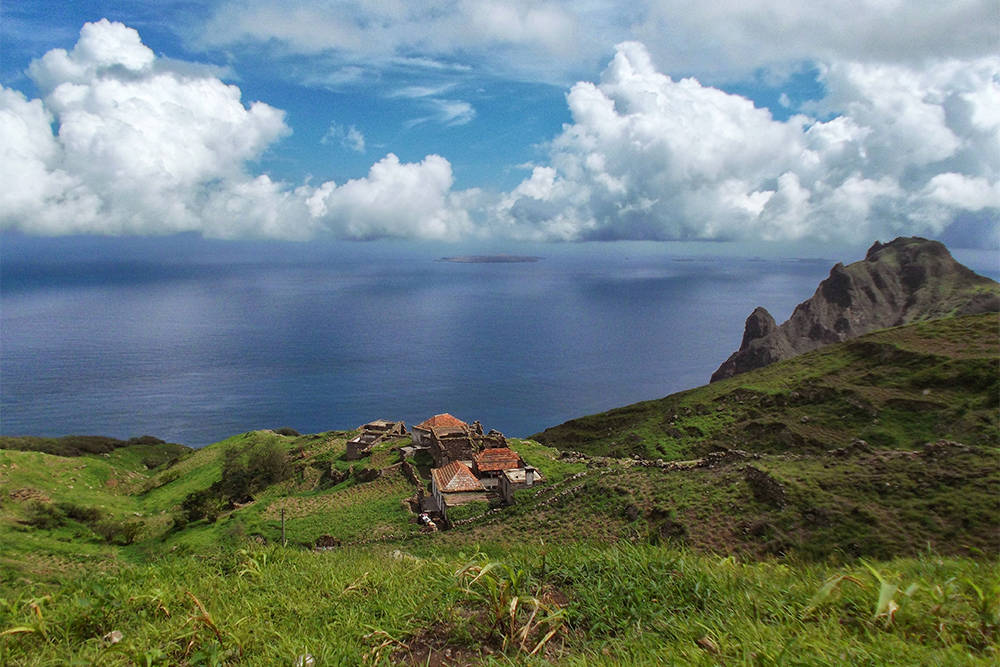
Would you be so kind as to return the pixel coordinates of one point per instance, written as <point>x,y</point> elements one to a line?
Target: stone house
<point>513,479</point>
<point>371,434</point>
<point>454,484</point>
<point>448,443</point>
<point>490,463</point>
<point>422,432</point>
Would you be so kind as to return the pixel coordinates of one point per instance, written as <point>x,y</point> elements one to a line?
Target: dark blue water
<point>193,341</point>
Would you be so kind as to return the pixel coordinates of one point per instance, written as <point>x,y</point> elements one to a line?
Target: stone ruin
<point>371,434</point>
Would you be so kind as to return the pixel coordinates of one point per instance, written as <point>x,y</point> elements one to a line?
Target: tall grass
<point>532,604</point>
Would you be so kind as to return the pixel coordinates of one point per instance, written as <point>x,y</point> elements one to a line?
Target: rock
<point>28,493</point>
<point>713,459</point>
<point>857,447</point>
<point>897,283</point>
<point>327,542</point>
<point>943,448</point>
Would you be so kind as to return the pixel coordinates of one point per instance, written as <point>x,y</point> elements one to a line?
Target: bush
<point>121,532</point>
<point>80,513</point>
<point>204,504</point>
<point>235,482</point>
<point>43,515</point>
<point>146,440</point>
<point>285,430</point>
<point>180,521</point>
<point>268,465</point>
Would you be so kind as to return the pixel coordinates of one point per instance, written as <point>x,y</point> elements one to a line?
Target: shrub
<point>268,465</point>
<point>180,521</point>
<point>43,515</point>
<point>121,532</point>
<point>291,432</point>
<point>80,513</point>
<point>235,482</point>
<point>204,504</point>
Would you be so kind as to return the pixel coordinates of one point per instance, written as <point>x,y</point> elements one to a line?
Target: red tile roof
<point>497,458</point>
<point>455,477</point>
<point>441,420</point>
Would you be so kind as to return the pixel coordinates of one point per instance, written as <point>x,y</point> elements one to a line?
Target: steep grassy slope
<point>894,388</point>
<point>596,605</point>
<point>859,502</point>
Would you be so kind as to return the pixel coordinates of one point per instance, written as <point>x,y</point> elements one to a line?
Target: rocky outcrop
<point>904,281</point>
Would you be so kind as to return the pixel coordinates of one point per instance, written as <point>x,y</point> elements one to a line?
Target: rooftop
<point>381,423</point>
<point>455,477</point>
<point>442,420</point>
<point>497,458</point>
<point>518,475</point>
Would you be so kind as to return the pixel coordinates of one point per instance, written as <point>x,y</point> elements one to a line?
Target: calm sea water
<point>194,341</point>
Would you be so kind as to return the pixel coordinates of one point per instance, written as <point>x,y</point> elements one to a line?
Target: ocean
<point>193,341</point>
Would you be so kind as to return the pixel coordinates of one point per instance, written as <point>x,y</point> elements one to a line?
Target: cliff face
<point>904,281</point>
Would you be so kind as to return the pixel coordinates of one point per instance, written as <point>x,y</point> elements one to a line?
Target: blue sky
<point>750,122</point>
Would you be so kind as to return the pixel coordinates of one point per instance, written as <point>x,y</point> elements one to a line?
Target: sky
<point>772,121</point>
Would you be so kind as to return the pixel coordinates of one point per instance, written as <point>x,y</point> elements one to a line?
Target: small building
<point>490,463</point>
<point>422,432</point>
<point>450,443</point>
<point>371,434</point>
<point>388,429</point>
<point>454,484</point>
<point>517,478</point>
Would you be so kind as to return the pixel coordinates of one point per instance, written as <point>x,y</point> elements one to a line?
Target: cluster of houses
<point>469,465</point>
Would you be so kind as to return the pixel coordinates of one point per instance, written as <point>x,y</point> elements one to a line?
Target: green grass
<point>624,604</point>
<point>898,387</point>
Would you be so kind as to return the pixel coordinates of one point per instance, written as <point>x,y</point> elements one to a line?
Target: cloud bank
<point>145,145</point>
<point>555,39</point>
<point>647,157</point>
<point>125,142</point>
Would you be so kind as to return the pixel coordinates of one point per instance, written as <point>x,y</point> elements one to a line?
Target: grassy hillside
<point>151,452</point>
<point>896,388</point>
<point>745,522</point>
<point>576,605</point>
<point>858,503</point>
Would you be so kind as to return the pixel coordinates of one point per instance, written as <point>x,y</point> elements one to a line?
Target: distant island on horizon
<point>490,259</point>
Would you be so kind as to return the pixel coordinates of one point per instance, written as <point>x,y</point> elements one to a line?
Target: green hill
<point>839,507</point>
<point>896,388</point>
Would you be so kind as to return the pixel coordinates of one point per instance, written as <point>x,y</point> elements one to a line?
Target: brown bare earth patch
<point>432,647</point>
<point>27,493</point>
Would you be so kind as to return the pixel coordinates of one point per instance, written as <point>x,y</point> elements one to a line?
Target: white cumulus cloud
<point>647,157</point>
<point>144,145</point>
<point>125,142</point>
<point>394,200</point>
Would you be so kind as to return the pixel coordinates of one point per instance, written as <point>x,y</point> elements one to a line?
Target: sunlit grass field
<point>527,604</point>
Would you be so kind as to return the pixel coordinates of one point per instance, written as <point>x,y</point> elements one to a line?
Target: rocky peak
<point>899,282</point>
<point>759,324</point>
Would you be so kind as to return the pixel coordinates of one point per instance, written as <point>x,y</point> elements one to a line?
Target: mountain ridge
<point>906,280</point>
